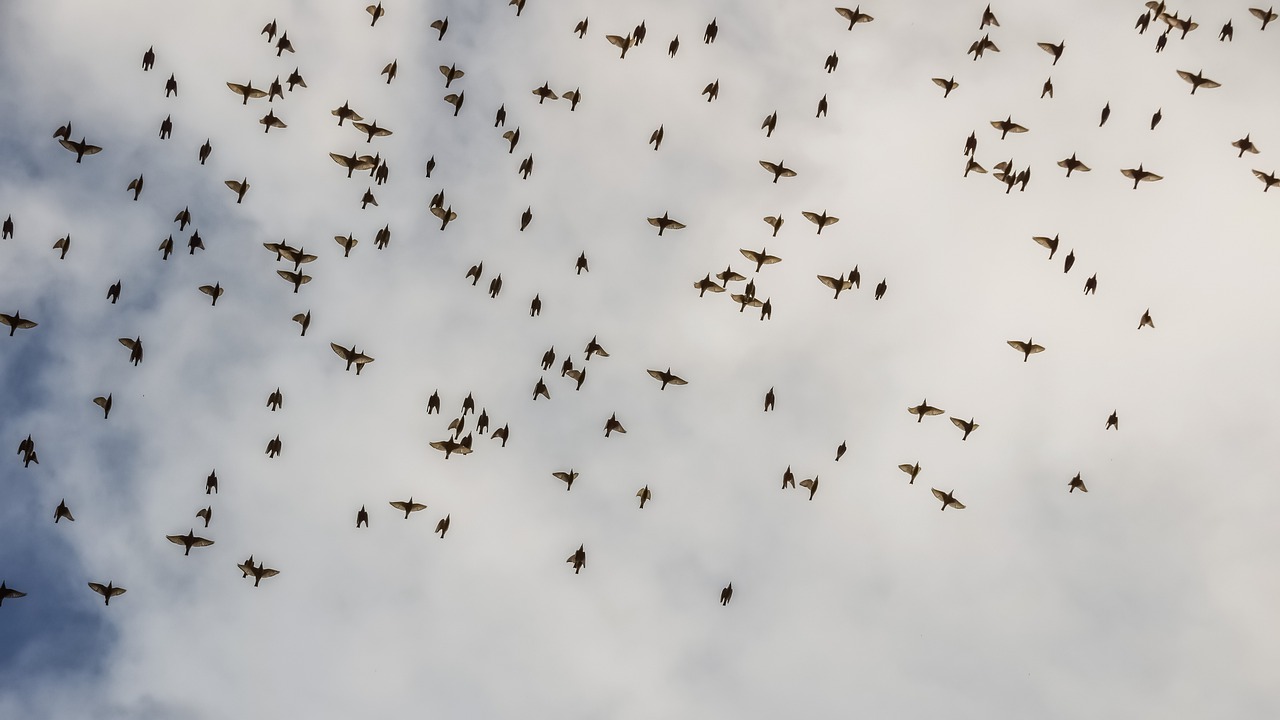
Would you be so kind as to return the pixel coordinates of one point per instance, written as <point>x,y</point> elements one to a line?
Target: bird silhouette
<point>946,85</point>
<point>1076,483</point>
<point>135,349</point>
<point>62,511</point>
<point>924,408</point>
<point>352,356</point>
<point>967,426</point>
<point>948,499</point>
<point>16,322</point>
<point>105,404</point>
<point>189,541</point>
<point>666,378</point>
<point>107,591</point>
<point>579,559</point>
<point>912,470</point>
<point>408,506</point>
<point>1027,348</point>
<point>726,594</point>
<point>612,425</point>
<point>821,220</point>
<point>8,593</point>
<point>854,16</point>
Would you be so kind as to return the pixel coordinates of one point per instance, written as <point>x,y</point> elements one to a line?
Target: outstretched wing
<point>342,352</point>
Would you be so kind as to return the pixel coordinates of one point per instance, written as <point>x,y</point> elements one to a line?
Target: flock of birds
<point>742,290</point>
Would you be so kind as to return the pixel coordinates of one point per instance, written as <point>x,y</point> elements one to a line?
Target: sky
<point>1151,595</point>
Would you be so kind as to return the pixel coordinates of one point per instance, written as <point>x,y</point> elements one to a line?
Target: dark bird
<point>841,450</point>
<point>63,244</point>
<point>1144,21</point>
<point>971,144</point>
<point>239,187</point>
<point>760,258</point>
<point>519,6</point>
<point>105,404</point>
<point>408,506</point>
<point>1113,421</point>
<point>1140,175</point>
<point>666,378</point>
<point>541,389</point>
<point>107,591</point>
<point>501,433</point>
<point>475,272</point>
<point>640,33</point>
<point>788,478</point>
<point>135,349</point>
<point>1267,179</point>
<point>274,447</point>
<point>171,86</point>
<point>448,447</point>
<point>283,44</point>
<point>206,513</point>
<point>769,399</point>
<point>770,123</point>
<point>1162,41</point>
<point>211,483</point>
<point>775,222</point>
<point>347,243</point>
<point>368,199</point>
<point>967,426</point>
<point>988,18</point>
<point>149,58</point>
<point>612,425</point>
<point>664,223</point>
<point>822,107</point>
<point>655,139</point>
<point>923,409</point>
<point>81,148</point>
<point>166,127</point>
<point>8,228</point>
<point>1054,50</point>
<point>980,46</point>
<point>8,593</point>
<point>1266,16</point>
<point>673,46</point>
<point>574,97</point>
<point>729,276</point>
<point>1106,113</point>
<point>62,511</point>
<point>832,61</point>
<point>948,499</point>
<point>535,306</point>
<point>352,356</point>
<point>821,220</point>
<point>376,11</point>
<point>442,527</point>
<point>270,31</point>
<point>567,477</point>
<point>812,484</point>
<point>270,120</point>
<point>581,27</point>
<point>709,36</point>
<point>205,150</point>
<point>972,165</point>
<point>912,470</point>
<point>495,286</point>
<point>136,186</point>
<point>189,541</point>
<point>594,348</point>
<point>580,265</point>
<point>1198,80</point>
<point>946,85</point>
<point>246,91</point>
<point>1226,33</point>
<point>579,559</point>
<point>1076,483</point>
<point>1244,145</point>
<point>854,16</point>
<point>362,517</point>
<point>726,595</point>
<point>295,79</point>
<point>16,322</point>
<point>526,167</point>
<point>839,284</point>
<point>1091,285</point>
<point>1007,126</point>
<point>1047,89</point>
<point>1155,119</point>
<point>777,169</point>
<point>390,70</point>
<point>371,130</point>
<point>1146,321</point>
<point>442,25</point>
<point>705,284</point>
<point>513,138</point>
<point>1027,348</point>
<point>353,162</point>
<point>881,288</point>
<point>259,572</point>
<point>345,113</point>
<point>712,90</point>
<point>431,165</point>
<point>1072,164</point>
<point>526,217</point>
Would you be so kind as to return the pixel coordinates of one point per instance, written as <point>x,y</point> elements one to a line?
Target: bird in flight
<point>666,378</point>
<point>967,426</point>
<point>579,559</point>
<point>567,477</point>
<point>189,541</point>
<point>408,506</point>
<point>1027,348</point>
<point>924,408</point>
<point>778,169</point>
<point>854,16</point>
<point>352,356</point>
<point>107,591</point>
<point>821,220</point>
<point>948,499</point>
<point>8,593</point>
<point>1140,175</point>
<point>62,511</point>
<point>16,322</point>
<point>1077,483</point>
<point>81,148</point>
<point>644,495</point>
<point>912,470</point>
<point>1198,80</point>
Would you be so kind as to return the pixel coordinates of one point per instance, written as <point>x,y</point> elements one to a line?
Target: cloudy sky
<point>1152,595</point>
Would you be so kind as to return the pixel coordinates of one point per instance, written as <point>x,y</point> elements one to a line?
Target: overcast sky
<point>1153,595</point>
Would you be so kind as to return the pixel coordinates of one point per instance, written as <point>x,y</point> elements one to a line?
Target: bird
<point>495,286</point>
<point>206,513</point>
<point>666,378</point>
<point>770,123</point>
<point>946,85</point>
<point>8,228</point>
<point>295,78</point>
<point>371,130</point>
<point>612,425</point>
<point>368,199</point>
<point>972,165</point>
<point>107,591</point>
<point>526,167</point>
<point>841,450</point>
<point>1145,320</point>
<point>513,138</point>
<point>1069,261</point>
<point>778,169</point>
<point>136,186</point>
<point>775,222</point>
<point>1113,421</point>
<point>526,217</point>
<point>971,144</point>
<point>881,288</point>
<point>171,86</point>
<point>211,483</point>
<point>1047,88</point>
<point>258,572</point>
<point>673,46</point>
<point>1155,118</point>
<point>579,559</point>
<point>274,446</point>
<point>1144,20</point>
<point>271,121</point>
<point>1106,113</point>
<point>580,265</point>
<point>948,499</point>
<point>726,594</point>
<point>924,408</point>
<point>1140,175</point>
<point>246,91</point>
<point>362,517</point>
<point>1198,80</point>
<point>541,389</point>
<point>838,284</point>
<point>822,107</point>
<point>63,244</point>
<point>105,404</point>
<point>812,484</point>
<point>1075,483</point>
<point>709,36</point>
<point>8,593</point>
<point>623,43</point>
<point>665,223</point>
<point>712,90</point>
<point>1266,16</point>
<point>705,284</point>
<point>1091,285</point>
<point>62,511</point>
<point>442,25</point>
<point>967,426</point>
<point>988,18</point>
<point>376,11</point>
<point>189,541</point>
<point>912,470</point>
<point>821,220</point>
<point>760,258</point>
<point>1027,348</point>
<point>854,16</point>
<point>16,322</point>
<point>978,47</point>
<point>1226,33</point>
<point>1267,179</point>
<point>446,215</point>
<point>166,127</point>
<point>408,506</point>
<point>442,526</point>
<point>305,321</point>
<point>135,349</point>
<point>448,447</point>
<point>149,58</point>
<point>581,27</point>
<point>833,60</point>
<point>574,96</point>
<point>1244,145</point>
<point>214,291</point>
<point>502,433</point>
<point>769,399</point>
<point>1072,164</point>
<point>239,187</point>
<point>81,148</point>
<point>567,477</point>
<point>352,356</point>
<point>1054,50</point>
<point>729,276</point>
<point>283,44</point>
<point>346,113</point>
<point>1007,126</point>
<point>205,150</point>
<point>655,139</point>
<point>390,70</point>
<point>644,495</point>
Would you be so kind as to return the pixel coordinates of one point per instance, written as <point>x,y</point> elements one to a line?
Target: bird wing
<point>657,375</point>
<point>1048,47</point>
<point>907,468</point>
<point>267,572</point>
<point>342,352</point>
<point>575,374</point>
<point>939,494</point>
<point>100,402</point>
<point>177,539</point>
<point>769,166</point>
<point>235,185</point>
<point>751,255</point>
<point>201,542</point>
<point>942,83</point>
<point>127,342</point>
<point>806,483</point>
<point>617,40</point>
<point>68,145</point>
<point>1017,345</point>
<point>1047,242</point>
<point>831,282</point>
<point>1151,177</point>
<point>1033,350</point>
<point>677,380</point>
<point>960,423</point>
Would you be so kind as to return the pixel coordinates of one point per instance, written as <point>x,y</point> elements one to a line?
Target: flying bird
<point>760,258</point>
<point>239,187</point>
<point>1268,179</point>
<point>81,148</point>
<point>1027,348</point>
<point>1245,145</point>
<point>1145,320</point>
<point>1072,164</point>
<point>107,591</point>
<point>567,477</point>
<point>390,70</point>
<point>1198,80</point>
<point>1007,126</point>
<point>442,526</point>
<point>62,511</point>
<point>778,169</point>
<point>1266,16</point>
<point>612,425</point>
<point>206,513</point>
<point>135,349</point>
<point>1054,50</point>
<point>912,470</point>
<point>770,123</point>
<point>712,90</point>
<point>1139,175</point>
<point>352,356</point>
<point>16,322</point>
<point>644,495</point>
<point>821,220</point>
<point>1113,421</point>
<point>136,186</point>
<point>247,92</point>
<point>967,426</point>
<point>214,291</point>
<point>924,408</point>
<point>346,113</point>
<point>1077,483</point>
<point>8,593</point>
<point>665,223</point>
<point>948,499</point>
<point>258,572</point>
<point>666,378</point>
<point>105,404</point>
<point>376,11</point>
<point>946,85</point>
<point>408,506</point>
<point>441,25</point>
<point>579,559</point>
<point>812,484</point>
<point>854,16</point>
<point>988,18</point>
<point>274,446</point>
<point>726,595</point>
<point>189,541</point>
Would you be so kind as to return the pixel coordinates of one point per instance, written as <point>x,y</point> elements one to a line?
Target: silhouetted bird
<point>1054,50</point>
<point>1113,421</point>
<point>1198,80</point>
<point>612,425</point>
<point>135,349</point>
<point>362,517</point>
<point>206,513</point>
<point>442,25</point>
<point>1268,179</point>
<point>107,591</point>
<point>1266,16</point>
<point>726,594</point>
<point>833,60</point>
<point>8,593</point>
<point>664,223</point>
<point>923,409</point>
<point>1027,348</point>
<point>442,526</point>
<point>104,403</point>
<point>1075,483</point>
<point>1244,145</point>
<point>822,107</point>
<point>136,186</point>
<point>854,16</point>
<point>1146,321</point>
<point>581,27</point>
<point>352,356</point>
<point>912,470</point>
<point>881,288</point>
<point>149,58</point>
<point>408,506</point>
<point>1140,175</point>
<point>1091,285</point>
<point>948,499</point>
<point>769,399</point>
<point>821,220</point>
<point>62,511</point>
<point>189,541</point>
<point>579,559</point>
<point>946,85</point>
<point>81,148</point>
<point>967,426</point>
<point>16,322</point>
<point>812,484</point>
